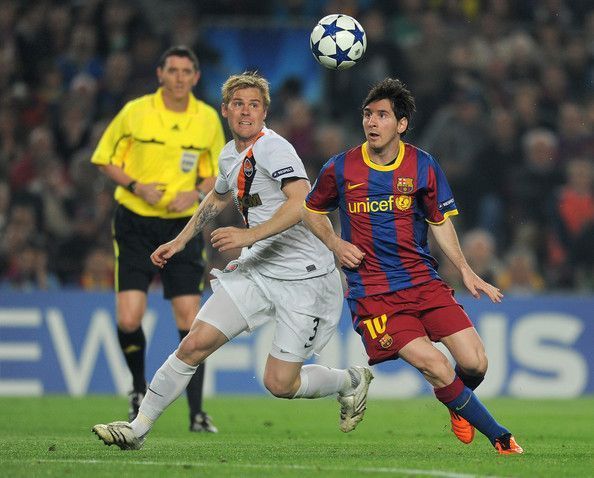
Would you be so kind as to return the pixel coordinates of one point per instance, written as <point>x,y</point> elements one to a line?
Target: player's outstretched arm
<point>289,214</point>
<point>348,254</point>
<point>446,237</point>
<point>212,205</point>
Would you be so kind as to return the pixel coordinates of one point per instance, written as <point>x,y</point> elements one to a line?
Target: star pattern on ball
<point>340,55</point>
<point>331,29</point>
<point>315,48</point>
<point>358,34</point>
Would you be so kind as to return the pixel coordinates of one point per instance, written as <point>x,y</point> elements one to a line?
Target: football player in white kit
<point>284,274</point>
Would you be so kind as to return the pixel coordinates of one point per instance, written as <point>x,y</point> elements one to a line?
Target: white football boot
<point>352,406</point>
<point>120,434</point>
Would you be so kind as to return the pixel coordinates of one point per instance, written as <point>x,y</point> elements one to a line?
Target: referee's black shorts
<point>136,238</point>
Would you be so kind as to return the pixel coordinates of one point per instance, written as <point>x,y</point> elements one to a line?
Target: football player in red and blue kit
<point>389,194</point>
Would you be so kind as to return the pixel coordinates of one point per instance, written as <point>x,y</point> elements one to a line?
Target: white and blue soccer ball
<point>338,41</point>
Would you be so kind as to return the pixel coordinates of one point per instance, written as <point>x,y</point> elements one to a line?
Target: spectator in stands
<point>572,220</point>
<point>98,271</point>
<point>534,179</point>
<point>81,56</point>
<point>4,204</point>
<point>480,250</point>
<point>27,269</point>
<point>519,275</point>
<point>576,135</point>
<point>456,134</point>
<point>489,181</point>
<point>26,168</point>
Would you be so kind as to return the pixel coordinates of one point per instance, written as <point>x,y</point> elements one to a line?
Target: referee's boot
<point>201,422</point>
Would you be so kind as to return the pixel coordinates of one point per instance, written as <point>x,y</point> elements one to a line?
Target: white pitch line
<point>386,470</point>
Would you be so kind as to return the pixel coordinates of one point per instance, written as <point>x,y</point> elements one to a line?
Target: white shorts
<point>306,311</point>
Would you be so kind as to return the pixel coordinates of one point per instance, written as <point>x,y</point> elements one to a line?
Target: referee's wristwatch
<point>131,186</point>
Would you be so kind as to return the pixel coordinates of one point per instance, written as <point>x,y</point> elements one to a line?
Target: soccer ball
<point>338,41</point>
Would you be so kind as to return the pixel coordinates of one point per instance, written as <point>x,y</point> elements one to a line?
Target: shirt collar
<point>160,104</point>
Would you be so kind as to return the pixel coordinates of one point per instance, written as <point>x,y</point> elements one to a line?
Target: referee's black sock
<point>471,381</point>
<point>133,346</point>
<point>194,388</point>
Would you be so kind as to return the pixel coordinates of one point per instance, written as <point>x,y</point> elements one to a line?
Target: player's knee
<point>128,323</point>
<point>475,366</point>
<point>278,388</point>
<point>193,349</point>
<point>480,366</point>
<point>435,367</point>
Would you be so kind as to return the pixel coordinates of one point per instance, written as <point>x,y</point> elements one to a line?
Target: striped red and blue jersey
<point>385,211</point>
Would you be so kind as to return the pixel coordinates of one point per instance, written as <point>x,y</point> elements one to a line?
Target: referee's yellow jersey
<point>153,144</point>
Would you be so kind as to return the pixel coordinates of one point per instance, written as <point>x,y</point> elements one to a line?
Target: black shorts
<point>136,238</point>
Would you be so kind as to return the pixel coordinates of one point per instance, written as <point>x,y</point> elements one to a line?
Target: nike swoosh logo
<point>351,186</point>
<point>464,404</point>
<point>151,390</point>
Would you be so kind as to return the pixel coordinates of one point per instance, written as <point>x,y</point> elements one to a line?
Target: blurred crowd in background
<point>505,101</point>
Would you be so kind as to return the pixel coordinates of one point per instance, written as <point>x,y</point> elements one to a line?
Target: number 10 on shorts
<point>376,326</point>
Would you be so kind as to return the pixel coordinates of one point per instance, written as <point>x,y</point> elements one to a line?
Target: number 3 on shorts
<point>316,321</point>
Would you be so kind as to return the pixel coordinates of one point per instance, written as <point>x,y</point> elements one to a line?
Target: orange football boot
<point>506,445</point>
<point>463,430</point>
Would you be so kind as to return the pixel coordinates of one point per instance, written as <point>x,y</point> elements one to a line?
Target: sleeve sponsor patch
<point>283,171</point>
<point>445,204</point>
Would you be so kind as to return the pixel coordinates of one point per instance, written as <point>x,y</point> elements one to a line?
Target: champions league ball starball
<point>338,41</point>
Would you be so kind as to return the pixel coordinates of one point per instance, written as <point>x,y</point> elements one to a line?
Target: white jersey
<point>255,177</point>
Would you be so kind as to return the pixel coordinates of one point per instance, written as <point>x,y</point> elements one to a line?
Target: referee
<point>162,151</point>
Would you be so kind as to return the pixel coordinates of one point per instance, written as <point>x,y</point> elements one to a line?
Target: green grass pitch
<point>268,437</point>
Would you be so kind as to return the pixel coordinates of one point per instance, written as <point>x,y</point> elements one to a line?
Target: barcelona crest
<point>405,185</point>
<point>386,341</point>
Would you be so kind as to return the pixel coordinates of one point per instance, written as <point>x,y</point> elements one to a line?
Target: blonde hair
<point>248,79</point>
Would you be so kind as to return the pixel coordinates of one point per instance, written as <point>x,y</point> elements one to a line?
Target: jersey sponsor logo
<point>441,205</point>
<point>283,171</point>
<point>251,200</point>
<point>405,185</point>
<point>377,205</point>
<point>403,202</point>
<point>188,161</point>
<point>351,186</point>
<point>248,167</point>
<point>386,341</point>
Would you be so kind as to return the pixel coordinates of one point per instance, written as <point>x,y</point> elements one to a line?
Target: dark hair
<point>402,100</point>
<point>179,50</point>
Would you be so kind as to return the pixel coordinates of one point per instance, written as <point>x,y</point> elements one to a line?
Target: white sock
<point>319,381</point>
<point>168,383</point>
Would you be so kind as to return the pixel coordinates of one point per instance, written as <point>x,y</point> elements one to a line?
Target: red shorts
<point>387,322</point>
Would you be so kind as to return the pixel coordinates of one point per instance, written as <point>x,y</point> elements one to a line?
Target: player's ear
<point>402,125</point>
<point>224,109</point>
<point>160,75</point>
<point>196,78</point>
